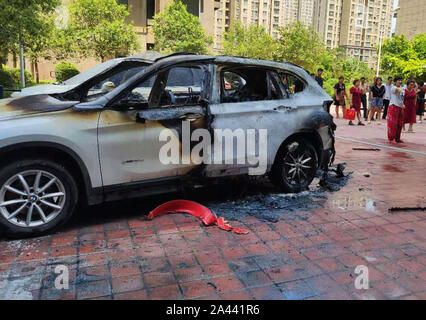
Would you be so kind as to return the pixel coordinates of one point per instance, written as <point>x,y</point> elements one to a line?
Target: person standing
<point>356,101</point>
<point>364,88</point>
<point>410,98</point>
<point>339,96</point>
<point>395,118</point>
<point>386,100</point>
<point>319,78</point>
<point>421,101</point>
<point>377,93</point>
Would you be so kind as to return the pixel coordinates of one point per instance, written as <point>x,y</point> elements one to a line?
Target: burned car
<point>143,137</point>
<point>100,79</point>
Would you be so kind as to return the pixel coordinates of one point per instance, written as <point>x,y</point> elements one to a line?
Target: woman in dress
<point>356,101</point>
<point>410,103</point>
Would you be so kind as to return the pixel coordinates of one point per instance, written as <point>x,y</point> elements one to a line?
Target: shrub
<point>6,78</point>
<point>65,70</point>
<point>16,75</point>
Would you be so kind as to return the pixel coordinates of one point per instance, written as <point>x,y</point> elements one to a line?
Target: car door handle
<point>190,116</point>
<point>285,108</point>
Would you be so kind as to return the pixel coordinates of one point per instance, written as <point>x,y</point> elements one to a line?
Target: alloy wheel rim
<point>32,198</point>
<point>297,167</point>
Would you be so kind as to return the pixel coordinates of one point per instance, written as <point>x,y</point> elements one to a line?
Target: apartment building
<point>356,25</point>
<point>143,11</point>
<point>271,14</point>
<point>411,18</point>
<point>327,19</point>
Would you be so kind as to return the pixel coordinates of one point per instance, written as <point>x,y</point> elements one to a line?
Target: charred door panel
<point>129,150</point>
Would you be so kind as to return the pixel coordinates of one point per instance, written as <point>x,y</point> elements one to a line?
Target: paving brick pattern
<point>306,255</point>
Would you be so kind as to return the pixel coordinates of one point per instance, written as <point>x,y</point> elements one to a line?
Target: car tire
<point>295,166</point>
<point>36,197</point>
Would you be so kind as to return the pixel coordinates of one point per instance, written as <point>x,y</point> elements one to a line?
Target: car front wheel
<point>295,166</point>
<point>36,196</point>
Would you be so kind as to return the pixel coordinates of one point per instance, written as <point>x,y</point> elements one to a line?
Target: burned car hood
<point>21,106</point>
<point>43,89</point>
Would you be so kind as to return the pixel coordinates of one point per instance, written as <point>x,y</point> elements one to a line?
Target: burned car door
<point>248,99</point>
<point>136,133</point>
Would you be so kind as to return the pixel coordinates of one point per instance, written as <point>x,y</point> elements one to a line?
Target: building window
<point>150,9</point>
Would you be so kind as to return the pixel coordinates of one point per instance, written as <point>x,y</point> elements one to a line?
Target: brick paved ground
<point>116,254</point>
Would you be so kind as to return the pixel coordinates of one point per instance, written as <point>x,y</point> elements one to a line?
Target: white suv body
<point>108,148</point>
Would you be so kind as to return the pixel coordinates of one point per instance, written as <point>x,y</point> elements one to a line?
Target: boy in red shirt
<point>356,101</point>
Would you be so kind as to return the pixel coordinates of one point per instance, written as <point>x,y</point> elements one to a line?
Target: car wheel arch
<point>309,135</point>
<point>55,151</point>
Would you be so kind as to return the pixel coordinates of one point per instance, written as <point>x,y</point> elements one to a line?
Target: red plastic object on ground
<point>197,210</point>
<point>350,114</point>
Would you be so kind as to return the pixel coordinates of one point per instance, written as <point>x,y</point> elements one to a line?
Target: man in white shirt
<point>386,100</point>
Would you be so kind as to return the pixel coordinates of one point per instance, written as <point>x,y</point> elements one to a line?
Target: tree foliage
<point>403,57</point>
<point>25,22</point>
<point>65,70</point>
<point>97,28</point>
<point>175,29</point>
<point>251,42</point>
<point>299,44</point>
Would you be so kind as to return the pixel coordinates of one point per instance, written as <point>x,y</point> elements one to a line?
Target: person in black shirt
<point>421,89</point>
<point>377,93</point>
<point>319,78</point>
<point>364,90</point>
<point>339,96</point>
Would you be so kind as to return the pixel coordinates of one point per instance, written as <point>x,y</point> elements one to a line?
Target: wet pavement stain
<point>392,168</point>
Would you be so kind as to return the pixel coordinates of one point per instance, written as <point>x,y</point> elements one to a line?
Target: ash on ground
<point>241,197</point>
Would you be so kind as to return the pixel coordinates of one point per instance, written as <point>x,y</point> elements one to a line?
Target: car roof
<point>147,55</point>
<point>180,57</point>
<point>184,57</point>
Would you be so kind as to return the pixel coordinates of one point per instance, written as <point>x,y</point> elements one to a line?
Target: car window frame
<point>283,71</point>
<point>162,71</point>
<point>268,70</point>
<point>82,89</point>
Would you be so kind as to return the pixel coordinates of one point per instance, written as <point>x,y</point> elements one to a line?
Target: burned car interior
<point>292,84</point>
<point>240,84</point>
<point>177,86</point>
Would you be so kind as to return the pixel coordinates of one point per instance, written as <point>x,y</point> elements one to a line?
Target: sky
<point>395,4</point>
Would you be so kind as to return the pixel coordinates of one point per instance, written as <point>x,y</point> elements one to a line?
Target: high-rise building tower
<point>272,14</point>
<point>411,18</point>
<point>356,25</point>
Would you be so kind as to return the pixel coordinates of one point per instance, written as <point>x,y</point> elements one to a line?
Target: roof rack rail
<point>175,54</point>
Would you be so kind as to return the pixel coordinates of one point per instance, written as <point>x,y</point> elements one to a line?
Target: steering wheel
<point>170,96</point>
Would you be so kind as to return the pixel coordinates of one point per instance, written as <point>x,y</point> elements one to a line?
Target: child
<point>356,101</point>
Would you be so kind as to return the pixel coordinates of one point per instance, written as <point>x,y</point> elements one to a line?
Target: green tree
<point>24,22</point>
<point>337,63</point>
<point>175,29</point>
<point>299,44</point>
<point>250,42</point>
<point>403,57</point>
<point>98,28</point>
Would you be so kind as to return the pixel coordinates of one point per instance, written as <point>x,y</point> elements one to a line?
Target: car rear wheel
<point>36,196</point>
<point>295,166</point>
